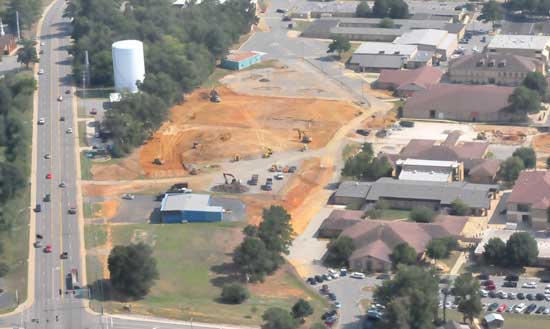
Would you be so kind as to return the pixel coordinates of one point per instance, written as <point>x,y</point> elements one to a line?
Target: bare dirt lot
<point>541,143</point>
<point>244,125</point>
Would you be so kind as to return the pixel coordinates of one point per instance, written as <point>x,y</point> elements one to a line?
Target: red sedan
<point>48,176</point>
<point>502,308</point>
<point>48,249</point>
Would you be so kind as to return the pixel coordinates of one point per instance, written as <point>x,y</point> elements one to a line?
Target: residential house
<point>534,46</point>
<point>375,240</point>
<point>406,82</point>
<point>440,42</point>
<point>376,56</point>
<point>493,68</point>
<point>484,103</point>
<point>529,201</point>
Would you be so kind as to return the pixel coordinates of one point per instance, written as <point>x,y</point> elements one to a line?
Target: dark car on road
<point>38,208</point>
<point>47,197</point>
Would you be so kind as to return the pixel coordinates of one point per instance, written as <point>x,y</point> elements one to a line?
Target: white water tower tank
<point>128,65</point>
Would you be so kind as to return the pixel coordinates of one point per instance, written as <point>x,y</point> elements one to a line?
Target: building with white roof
<point>374,56</point>
<point>535,46</point>
<point>441,42</point>
<point>430,170</point>
<point>188,207</point>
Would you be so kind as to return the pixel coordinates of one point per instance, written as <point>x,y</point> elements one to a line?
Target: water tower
<point>128,65</point>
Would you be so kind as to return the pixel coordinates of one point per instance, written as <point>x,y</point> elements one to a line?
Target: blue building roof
<point>188,202</point>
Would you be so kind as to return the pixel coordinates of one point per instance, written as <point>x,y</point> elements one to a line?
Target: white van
<point>357,275</point>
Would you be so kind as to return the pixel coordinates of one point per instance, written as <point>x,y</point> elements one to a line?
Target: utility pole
<point>17,24</point>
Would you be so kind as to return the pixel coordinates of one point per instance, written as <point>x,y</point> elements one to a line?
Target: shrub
<point>406,124</point>
<point>234,293</point>
<point>421,215</point>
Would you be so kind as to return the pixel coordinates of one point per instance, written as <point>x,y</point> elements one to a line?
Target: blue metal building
<point>186,207</point>
<point>241,60</point>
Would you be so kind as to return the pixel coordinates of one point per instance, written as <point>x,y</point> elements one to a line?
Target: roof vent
<point>396,52</point>
<point>381,52</point>
<point>432,172</point>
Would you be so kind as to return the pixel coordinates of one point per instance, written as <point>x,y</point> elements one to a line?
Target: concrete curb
<point>183,323</point>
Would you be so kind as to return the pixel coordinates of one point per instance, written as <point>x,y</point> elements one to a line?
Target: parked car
<point>357,275</point>
<point>362,132</point>
<point>521,296</point>
<point>128,196</point>
<point>510,284</point>
<point>530,297</point>
<point>502,308</point>
<point>492,307</point>
<point>531,308</point>
<point>484,293</point>
<point>483,276</point>
<point>493,294</point>
<point>511,277</point>
<point>539,296</point>
<point>529,285</point>
<point>520,308</point>
<point>491,287</point>
<point>512,295</point>
<point>540,309</point>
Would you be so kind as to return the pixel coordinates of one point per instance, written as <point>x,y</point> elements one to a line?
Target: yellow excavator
<point>267,153</point>
<point>302,136</point>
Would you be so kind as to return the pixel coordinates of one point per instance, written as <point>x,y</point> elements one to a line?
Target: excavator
<point>268,153</point>
<point>233,179</point>
<point>215,96</point>
<point>302,136</point>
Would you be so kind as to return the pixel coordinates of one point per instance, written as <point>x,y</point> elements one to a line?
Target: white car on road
<point>69,130</point>
<point>41,121</point>
<point>41,71</point>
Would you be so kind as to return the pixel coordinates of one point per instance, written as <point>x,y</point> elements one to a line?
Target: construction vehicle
<point>302,136</point>
<point>236,158</point>
<point>275,168</point>
<point>158,161</point>
<point>304,148</point>
<point>234,180</point>
<point>268,153</point>
<point>215,96</point>
<point>254,180</point>
<point>195,145</point>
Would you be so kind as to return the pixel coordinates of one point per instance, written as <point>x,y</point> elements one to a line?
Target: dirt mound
<point>541,143</point>
<point>128,168</point>
<point>230,188</point>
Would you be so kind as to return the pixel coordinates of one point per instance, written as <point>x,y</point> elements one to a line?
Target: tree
<point>510,169</point>
<point>494,251</point>
<point>363,9</point>
<point>278,318</point>
<point>27,53</point>
<point>421,215</point>
<point>536,82</point>
<point>437,249</point>
<point>28,10</point>
<point>364,166</point>
<point>527,155</point>
<point>380,8</point>
<point>386,23</point>
<point>301,309</point>
<point>11,181</point>
<point>253,259</point>
<point>250,230</point>
<point>403,253</point>
<point>459,208</point>
<point>133,269</point>
<point>411,298</point>
<point>548,163</point>
<point>491,12</point>
<point>340,250</point>
<point>524,101</point>
<point>399,9</point>
<point>521,249</point>
<point>275,230</point>
<point>340,45</point>
<point>466,292</point>
<point>4,269</point>
<point>234,293</point>
<point>318,326</point>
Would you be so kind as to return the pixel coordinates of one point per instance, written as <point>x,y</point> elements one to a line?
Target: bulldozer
<point>215,96</point>
<point>233,179</point>
<point>302,136</point>
<point>268,153</point>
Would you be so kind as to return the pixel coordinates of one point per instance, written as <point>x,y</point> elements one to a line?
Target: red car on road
<point>48,249</point>
<point>48,176</point>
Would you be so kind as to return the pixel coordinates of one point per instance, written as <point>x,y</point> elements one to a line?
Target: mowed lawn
<point>194,260</point>
<point>513,320</point>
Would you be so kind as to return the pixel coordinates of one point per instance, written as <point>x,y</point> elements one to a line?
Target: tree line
<point>364,166</point>
<point>15,103</point>
<point>181,49</point>
<point>383,8</point>
<point>29,11</point>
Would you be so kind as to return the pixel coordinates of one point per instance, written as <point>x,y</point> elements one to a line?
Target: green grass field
<point>95,235</point>
<point>391,214</point>
<point>511,320</point>
<point>82,134</point>
<point>85,166</point>
<point>193,261</point>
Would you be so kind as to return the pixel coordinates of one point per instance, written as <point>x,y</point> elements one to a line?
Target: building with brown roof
<point>493,68</point>
<point>485,103</point>
<point>477,169</point>
<point>530,199</point>
<point>375,240</point>
<point>407,82</point>
<point>8,43</point>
